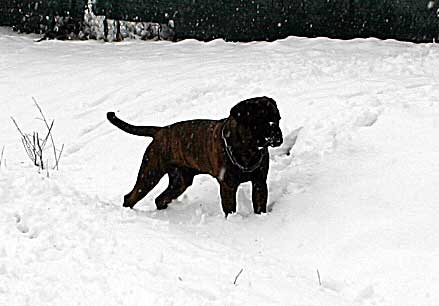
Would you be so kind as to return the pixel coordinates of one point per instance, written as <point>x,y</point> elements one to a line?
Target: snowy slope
<point>357,200</point>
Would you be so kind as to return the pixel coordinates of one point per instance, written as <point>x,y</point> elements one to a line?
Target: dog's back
<point>186,144</point>
<point>190,144</point>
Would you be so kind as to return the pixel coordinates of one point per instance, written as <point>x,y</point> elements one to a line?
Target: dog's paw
<point>161,206</point>
<point>235,217</point>
<point>128,205</point>
<point>259,211</point>
<point>229,213</point>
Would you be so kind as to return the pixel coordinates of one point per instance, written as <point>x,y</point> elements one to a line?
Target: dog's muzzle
<point>275,141</point>
<point>275,138</point>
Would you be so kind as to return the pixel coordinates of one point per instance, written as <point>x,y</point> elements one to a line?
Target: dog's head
<point>260,117</point>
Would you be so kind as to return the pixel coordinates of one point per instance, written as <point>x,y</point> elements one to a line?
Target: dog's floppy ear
<point>241,112</point>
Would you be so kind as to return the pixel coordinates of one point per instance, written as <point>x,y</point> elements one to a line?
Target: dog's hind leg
<point>149,175</point>
<point>179,180</point>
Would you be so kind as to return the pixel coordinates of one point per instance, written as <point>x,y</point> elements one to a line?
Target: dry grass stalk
<point>49,128</point>
<point>1,156</point>
<point>35,146</point>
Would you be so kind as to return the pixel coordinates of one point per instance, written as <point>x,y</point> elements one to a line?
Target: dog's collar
<point>233,159</point>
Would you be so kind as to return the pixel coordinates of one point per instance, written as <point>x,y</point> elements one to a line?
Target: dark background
<point>236,20</point>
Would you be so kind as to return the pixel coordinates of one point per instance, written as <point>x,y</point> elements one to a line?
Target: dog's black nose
<point>276,138</point>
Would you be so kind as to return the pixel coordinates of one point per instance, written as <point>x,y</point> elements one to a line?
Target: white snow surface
<point>357,200</point>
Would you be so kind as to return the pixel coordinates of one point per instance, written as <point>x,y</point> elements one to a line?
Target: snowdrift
<point>354,207</point>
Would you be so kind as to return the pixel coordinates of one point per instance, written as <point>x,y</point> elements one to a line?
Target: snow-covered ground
<point>357,201</point>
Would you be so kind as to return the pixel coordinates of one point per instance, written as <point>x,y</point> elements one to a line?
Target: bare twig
<point>29,144</point>
<point>236,278</point>
<point>16,125</point>
<point>35,146</point>
<point>1,156</point>
<point>40,152</point>
<point>29,147</point>
<point>49,129</point>
<point>59,157</point>
<point>48,134</point>
<point>318,275</point>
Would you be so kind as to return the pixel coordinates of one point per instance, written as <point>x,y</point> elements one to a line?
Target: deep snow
<point>357,200</point>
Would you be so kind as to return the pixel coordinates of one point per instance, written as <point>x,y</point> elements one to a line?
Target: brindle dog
<point>233,150</point>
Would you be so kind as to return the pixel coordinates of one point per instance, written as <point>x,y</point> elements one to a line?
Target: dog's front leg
<point>228,198</point>
<point>259,196</point>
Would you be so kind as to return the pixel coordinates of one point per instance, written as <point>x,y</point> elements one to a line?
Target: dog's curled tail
<point>148,131</point>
